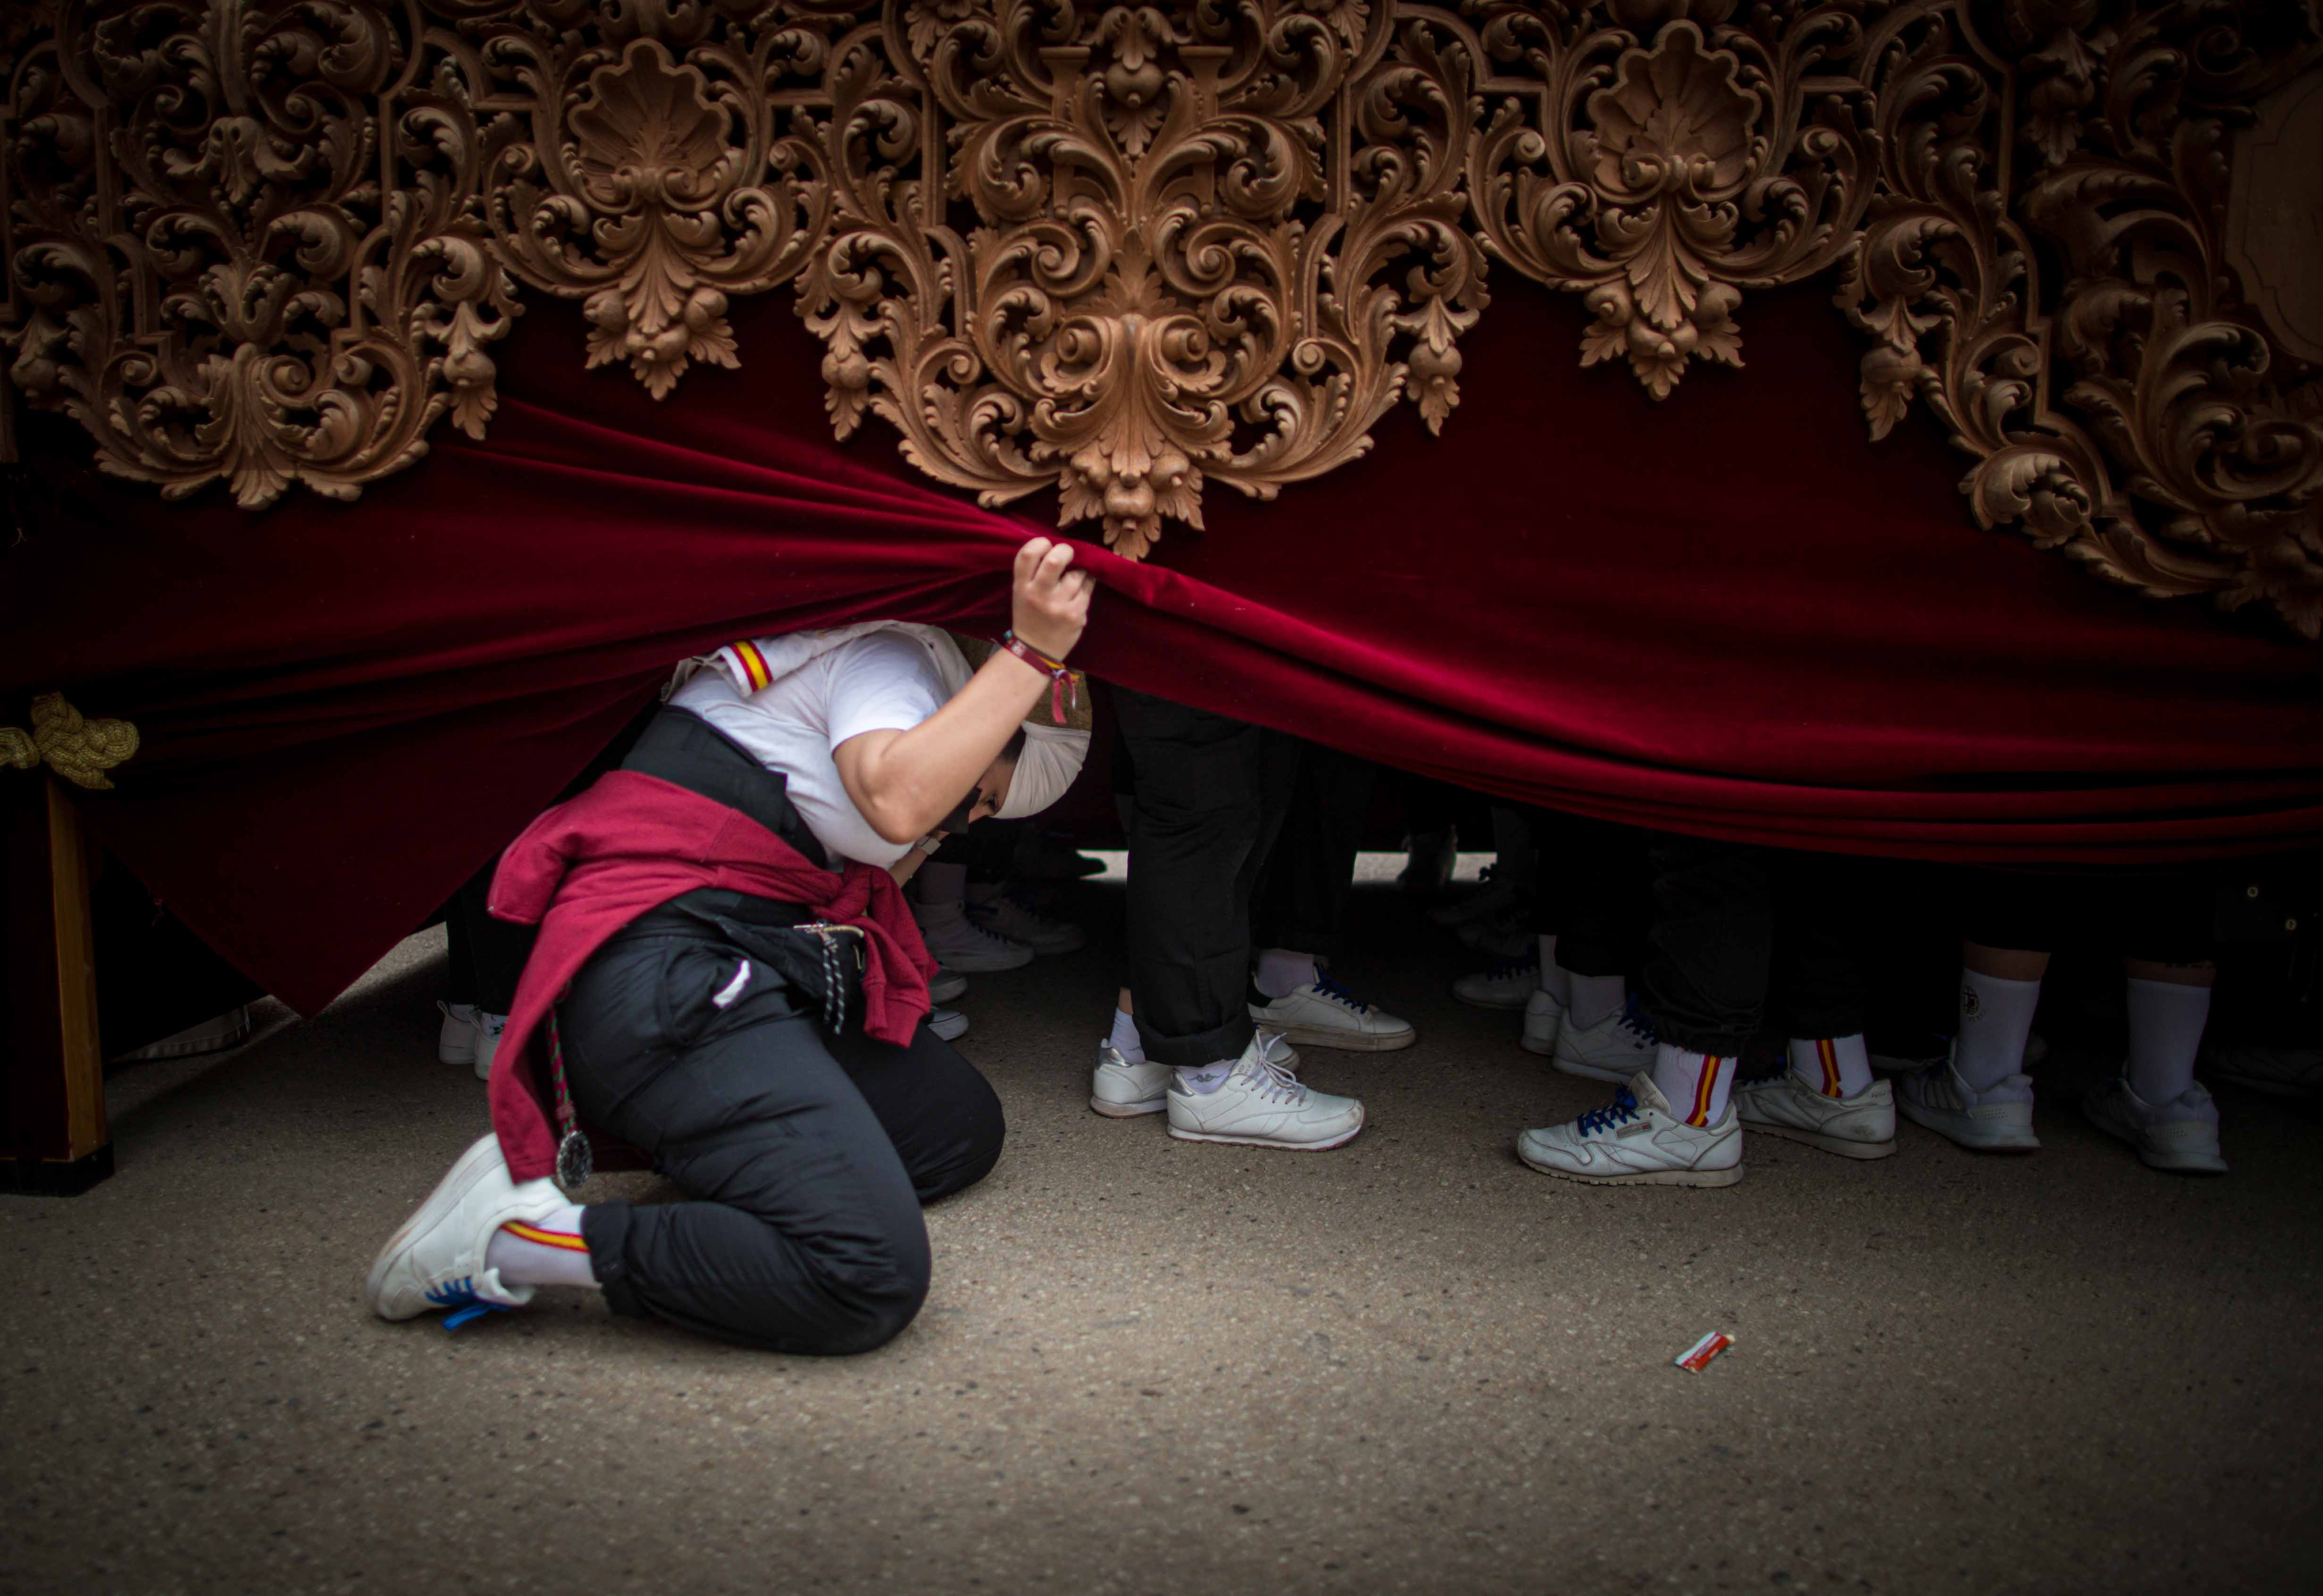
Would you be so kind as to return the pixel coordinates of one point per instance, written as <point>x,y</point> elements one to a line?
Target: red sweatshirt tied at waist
<point>631,843</point>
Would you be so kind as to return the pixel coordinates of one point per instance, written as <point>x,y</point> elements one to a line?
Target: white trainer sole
<point>1129,1110</point>
<point>1268,1142</point>
<point>1846,1147</point>
<point>2175,1160</point>
<point>1695,1178</point>
<point>1348,1041</point>
<point>472,1167</point>
<point>1977,1135</point>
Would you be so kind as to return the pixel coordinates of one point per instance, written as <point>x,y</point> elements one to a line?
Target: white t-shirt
<point>880,682</point>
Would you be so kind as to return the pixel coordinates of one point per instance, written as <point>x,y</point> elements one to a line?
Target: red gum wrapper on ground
<point>1696,1357</point>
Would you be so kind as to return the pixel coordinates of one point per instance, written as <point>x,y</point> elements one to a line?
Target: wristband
<point>1060,675</point>
<point>930,844</point>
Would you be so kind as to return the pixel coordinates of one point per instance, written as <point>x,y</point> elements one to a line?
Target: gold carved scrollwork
<point>1133,251</point>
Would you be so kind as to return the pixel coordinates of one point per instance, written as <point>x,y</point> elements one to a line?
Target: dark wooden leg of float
<point>53,1137</point>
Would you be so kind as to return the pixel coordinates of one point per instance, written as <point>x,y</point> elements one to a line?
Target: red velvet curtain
<point>1727,613</point>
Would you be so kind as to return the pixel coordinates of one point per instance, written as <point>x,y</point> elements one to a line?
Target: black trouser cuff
<point>1203,1047</point>
<point>605,1226</point>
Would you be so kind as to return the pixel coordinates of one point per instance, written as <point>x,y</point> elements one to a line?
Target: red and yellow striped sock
<point>1837,1066</point>
<point>571,1240</point>
<point>1696,1084</point>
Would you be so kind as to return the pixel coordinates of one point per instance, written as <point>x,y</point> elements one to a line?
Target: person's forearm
<point>912,779</point>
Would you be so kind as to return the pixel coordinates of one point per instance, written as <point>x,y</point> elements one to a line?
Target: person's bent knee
<point>869,1303</point>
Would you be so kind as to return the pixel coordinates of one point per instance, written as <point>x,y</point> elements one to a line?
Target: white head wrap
<point>1053,757</point>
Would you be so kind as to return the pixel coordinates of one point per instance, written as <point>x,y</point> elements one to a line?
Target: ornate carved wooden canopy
<point>1135,250</point>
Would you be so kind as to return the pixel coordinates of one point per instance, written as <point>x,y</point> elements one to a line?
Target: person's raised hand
<point>1049,607</point>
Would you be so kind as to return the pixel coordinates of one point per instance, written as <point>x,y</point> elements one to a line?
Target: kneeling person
<point>727,980</point>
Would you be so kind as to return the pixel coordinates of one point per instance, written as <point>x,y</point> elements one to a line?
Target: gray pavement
<point>1152,1366</point>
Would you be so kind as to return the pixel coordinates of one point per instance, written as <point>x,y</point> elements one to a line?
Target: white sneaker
<point>947,985</point>
<point>1324,1014</point>
<point>1123,1090</point>
<point>1636,1141</point>
<point>1489,901</point>
<point>948,1023</point>
<point>1544,1020</point>
<point>456,1042</point>
<point>1004,916</point>
<point>1614,1048</point>
<point>1862,1126</point>
<point>1997,1119</point>
<point>2282,1072</point>
<point>1508,985</point>
<point>958,943</point>
<point>437,1260</point>
<point>1263,1105</point>
<point>490,1029</point>
<point>2179,1135</point>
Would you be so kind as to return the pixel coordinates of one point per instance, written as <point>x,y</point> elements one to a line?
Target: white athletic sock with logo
<point>1208,1079</point>
<point>1996,1016</point>
<point>1594,997</point>
<point>2166,1031</point>
<point>1281,972</point>
<point>1835,1065</point>
<point>1696,1084</point>
<point>1125,1037</point>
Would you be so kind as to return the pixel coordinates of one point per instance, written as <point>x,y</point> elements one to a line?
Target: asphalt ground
<point>1410,1365</point>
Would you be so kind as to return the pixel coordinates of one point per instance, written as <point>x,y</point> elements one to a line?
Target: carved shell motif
<point>1132,251</point>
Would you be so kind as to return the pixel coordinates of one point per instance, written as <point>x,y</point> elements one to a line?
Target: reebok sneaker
<point>1263,1105</point>
<point>1862,1126</point>
<point>1636,1141</point>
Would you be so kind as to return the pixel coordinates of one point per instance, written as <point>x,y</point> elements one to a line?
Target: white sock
<point>542,1252</point>
<point>1835,1065</point>
<point>1594,997</point>
<point>2166,1031</point>
<point>1996,1016</point>
<point>1696,1084</point>
<point>1555,978</point>
<point>1281,972</point>
<point>1208,1079</point>
<point>1125,1037</point>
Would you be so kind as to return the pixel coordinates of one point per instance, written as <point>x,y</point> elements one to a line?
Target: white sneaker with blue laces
<point>490,1029</point>
<point>1636,1141</point>
<point>436,1259</point>
<point>1324,1014</point>
<point>1612,1050</point>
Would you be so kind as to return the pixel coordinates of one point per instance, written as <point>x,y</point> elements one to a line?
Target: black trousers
<point>486,956</point>
<point>1239,838</point>
<point>1589,890</point>
<point>1734,927</point>
<point>806,1156</point>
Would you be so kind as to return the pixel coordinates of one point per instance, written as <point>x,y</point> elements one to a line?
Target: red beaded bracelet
<point>1060,675</point>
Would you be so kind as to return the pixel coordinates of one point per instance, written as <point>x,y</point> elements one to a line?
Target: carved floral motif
<point>1133,251</point>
